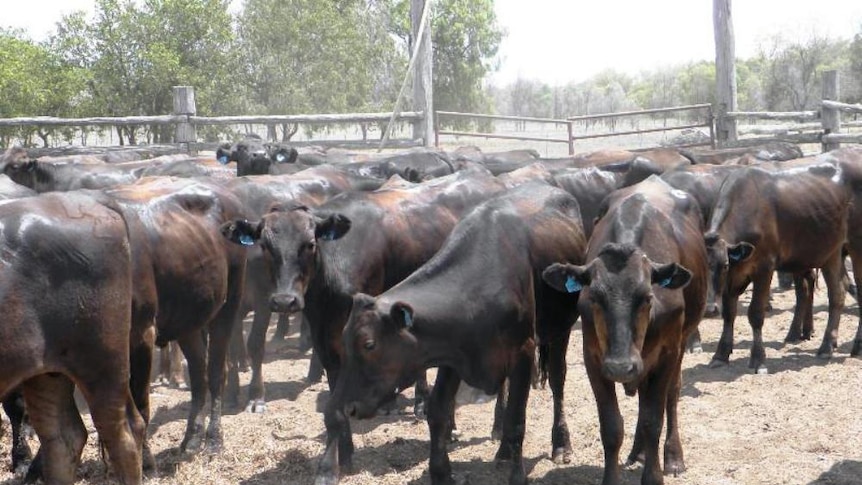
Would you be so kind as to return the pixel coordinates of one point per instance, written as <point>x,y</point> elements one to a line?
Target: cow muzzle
<point>286,303</point>
<point>622,370</point>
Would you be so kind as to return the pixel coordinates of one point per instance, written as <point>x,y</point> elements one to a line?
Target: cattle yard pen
<point>823,126</point>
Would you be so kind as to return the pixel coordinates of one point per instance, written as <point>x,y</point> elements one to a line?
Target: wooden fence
<point>570,123</point>
<point>186,122</point>
<point>823,126</point>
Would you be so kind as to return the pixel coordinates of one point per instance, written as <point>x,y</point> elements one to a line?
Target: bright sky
<point>558,41</point>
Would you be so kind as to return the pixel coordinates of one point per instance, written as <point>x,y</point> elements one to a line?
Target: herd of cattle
<point>475,263</point>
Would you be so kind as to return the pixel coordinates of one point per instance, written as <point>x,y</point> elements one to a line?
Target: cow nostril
<point>285,304</point>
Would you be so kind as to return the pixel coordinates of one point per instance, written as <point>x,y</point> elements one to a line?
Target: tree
<point>466,38</point>
<point>305,56</point>
<point>855,69</point>
<point>790,70</point>
<point>34,81</point>
<point>135,51</point>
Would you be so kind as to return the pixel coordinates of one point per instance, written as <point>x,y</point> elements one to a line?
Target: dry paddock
<point>800,424</point>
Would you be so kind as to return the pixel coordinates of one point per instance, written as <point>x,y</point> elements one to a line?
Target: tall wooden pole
<point>423,91</point>
<point>831,118</point>
<point>725,72</point>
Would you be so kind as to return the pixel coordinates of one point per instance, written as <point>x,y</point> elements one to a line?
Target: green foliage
<point>135,51</point>
<point>34,82</point>
<point>466,37</point>
<point>305,56</point>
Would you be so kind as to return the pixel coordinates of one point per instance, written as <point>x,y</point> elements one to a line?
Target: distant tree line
<point>783,76</point>
<point>308,56</point>
<point>272,57</point>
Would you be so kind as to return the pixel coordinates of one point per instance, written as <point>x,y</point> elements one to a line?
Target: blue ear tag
<point>665,282</point>
<point>328,235</point>
<point>279,158</point>
<point>246,240</point>
<point>408,320</point>
<point>734,256</point>
<point>572,285</point>
<point>222,160</point>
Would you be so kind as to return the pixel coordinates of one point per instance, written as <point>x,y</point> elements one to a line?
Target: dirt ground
<point>800,424</point>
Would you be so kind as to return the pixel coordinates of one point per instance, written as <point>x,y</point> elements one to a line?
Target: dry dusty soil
<point>800,424</point>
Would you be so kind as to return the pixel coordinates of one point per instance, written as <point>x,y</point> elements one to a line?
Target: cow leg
<point>141,360</point>
<point>305,343</point>
<point>51,405</point>
<point>561,445</point>
<point>514,428</point>
<point>421,393</point>
<point>236,349</point>
<point>14,407</point>
<point>653,398</point>
<point>756,314</point>
<point>219,337</point>
<point>804,284</point>
<point>338,456</point>
<point>121,427</point>
<point>256,348</point>
<point>674,464</point>
<point>855,251</point>
<point>176,377</point>
<point>693,343</point>
<point>500,411</point>
<point>729,305</point>
<point>610,419</point>
<point>439,404</point>
<point>835,292</point>
<point>193,348</point>
<point>315,369</point>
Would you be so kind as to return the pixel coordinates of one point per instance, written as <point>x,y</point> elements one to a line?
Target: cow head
<point>381,355</point>
<point>288,237</point>
<point>282,154</point>
<point>721,257</point>
<point>620,283</point>
<point>23,171</point>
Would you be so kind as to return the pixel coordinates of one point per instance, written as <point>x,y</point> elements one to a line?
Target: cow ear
<point>567,278</point>
<point>286,155</point>
<point>402,314</point>
<point>242,232</point>
<point>331,227</point>
<point>670,276</point>
<point>740,252</point>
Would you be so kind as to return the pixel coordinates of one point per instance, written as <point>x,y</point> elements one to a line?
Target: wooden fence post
<point>830,117</point>
<point>725,72</point>
<point>423,92</point>
<point>184,105</point>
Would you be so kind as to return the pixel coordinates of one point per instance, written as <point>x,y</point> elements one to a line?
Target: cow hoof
<point>561,456</point>
<point>631,465</point>
<point>454,436</point>
<point>673,468</point>
<point>695,349</point>
<point>256,406</point>
<point>761,369</point>
<point>822,355</point>
<point>327,479</point>
<point>191,446</point>
<point>496,434</point>
<point>716,363</point>
<point>419,409</point>
<point>712,312</point>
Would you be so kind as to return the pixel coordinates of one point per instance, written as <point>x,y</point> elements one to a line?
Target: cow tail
<point>540,377</point>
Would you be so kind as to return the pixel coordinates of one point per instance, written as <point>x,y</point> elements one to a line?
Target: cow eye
<point>307,247</point>
<point>369,345</point>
